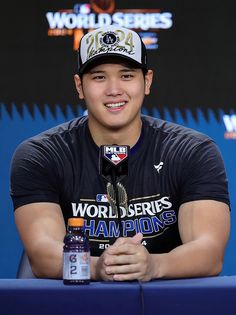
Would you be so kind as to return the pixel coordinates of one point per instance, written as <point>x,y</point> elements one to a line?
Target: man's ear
<point>148,81</point>
<point>78,85</point>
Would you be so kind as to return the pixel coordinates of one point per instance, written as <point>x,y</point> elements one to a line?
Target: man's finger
<point>137,238</point>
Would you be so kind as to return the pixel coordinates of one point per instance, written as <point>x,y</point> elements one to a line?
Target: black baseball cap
<point>111,41</point>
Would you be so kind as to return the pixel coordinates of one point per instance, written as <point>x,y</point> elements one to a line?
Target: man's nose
<point>114,88</point>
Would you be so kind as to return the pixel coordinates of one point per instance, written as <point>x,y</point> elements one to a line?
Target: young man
<point>174,202</point>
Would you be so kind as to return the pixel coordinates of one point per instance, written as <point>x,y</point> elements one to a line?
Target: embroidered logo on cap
<point>110,38</point>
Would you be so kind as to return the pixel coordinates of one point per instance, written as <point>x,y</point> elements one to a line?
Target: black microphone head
<point>113,159</point>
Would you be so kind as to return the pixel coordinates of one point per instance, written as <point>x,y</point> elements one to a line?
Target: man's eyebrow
<point>128,70</point>
<point>94,71</point>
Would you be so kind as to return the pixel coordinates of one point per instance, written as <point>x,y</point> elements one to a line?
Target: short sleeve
<point>33,175</point>
<point>204,175</point>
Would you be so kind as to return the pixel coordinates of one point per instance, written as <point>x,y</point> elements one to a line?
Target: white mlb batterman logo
<point>101,198</point>
<point>115,154</point>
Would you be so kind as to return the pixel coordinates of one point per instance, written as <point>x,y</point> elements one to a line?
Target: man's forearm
<point>46,260</point>
<point>193,259</point>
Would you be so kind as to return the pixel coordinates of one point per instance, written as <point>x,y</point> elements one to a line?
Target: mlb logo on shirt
<point>115,154</point>
<point>101,198</point>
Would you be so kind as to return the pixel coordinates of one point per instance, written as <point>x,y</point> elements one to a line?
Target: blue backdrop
<point>16,127</point>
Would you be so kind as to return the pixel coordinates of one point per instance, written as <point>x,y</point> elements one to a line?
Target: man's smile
<point>115,105</point>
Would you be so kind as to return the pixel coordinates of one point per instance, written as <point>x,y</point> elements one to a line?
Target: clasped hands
<point>127,259</point>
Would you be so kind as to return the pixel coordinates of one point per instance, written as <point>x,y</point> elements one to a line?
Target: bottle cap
<point>76,222</point>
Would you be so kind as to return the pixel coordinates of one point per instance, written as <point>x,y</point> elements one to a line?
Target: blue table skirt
<point>205,296</point>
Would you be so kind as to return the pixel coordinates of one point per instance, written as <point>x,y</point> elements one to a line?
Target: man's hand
<point>126,259</point>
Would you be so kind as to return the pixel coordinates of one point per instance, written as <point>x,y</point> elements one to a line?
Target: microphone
<point>113,166</point>
<point>114,161</point>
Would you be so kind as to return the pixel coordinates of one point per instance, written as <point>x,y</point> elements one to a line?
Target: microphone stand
<point>114,183</point>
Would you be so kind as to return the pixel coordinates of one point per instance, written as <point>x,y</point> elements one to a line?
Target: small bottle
<point>76,253</point>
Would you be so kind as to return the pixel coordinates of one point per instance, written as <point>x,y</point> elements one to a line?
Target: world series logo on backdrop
<point>84,17</point>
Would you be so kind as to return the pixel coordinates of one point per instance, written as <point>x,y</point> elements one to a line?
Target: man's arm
<point>42,229</point>
<point>204,229</point>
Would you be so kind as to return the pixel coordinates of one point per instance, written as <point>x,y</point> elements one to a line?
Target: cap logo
<point>110,42</point>
<point>110,38</point>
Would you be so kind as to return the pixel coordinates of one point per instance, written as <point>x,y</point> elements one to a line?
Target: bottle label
<point>76,266</point>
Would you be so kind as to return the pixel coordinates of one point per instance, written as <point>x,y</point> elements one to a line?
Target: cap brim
<point>109,58</point>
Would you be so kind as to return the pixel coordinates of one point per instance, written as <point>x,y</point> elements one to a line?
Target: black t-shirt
<point>170,165</point>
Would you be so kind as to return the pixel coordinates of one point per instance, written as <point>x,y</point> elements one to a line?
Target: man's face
<point>113,94</point>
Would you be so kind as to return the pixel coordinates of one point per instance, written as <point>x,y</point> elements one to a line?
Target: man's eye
<point>98,77</point>
<point>127,76</point>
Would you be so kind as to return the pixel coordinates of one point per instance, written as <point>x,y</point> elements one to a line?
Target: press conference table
<point>205,296</point>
